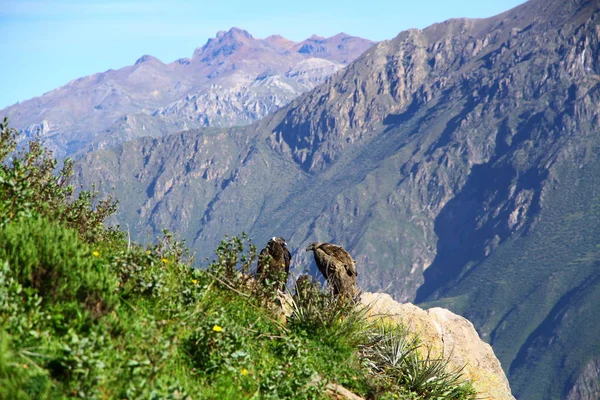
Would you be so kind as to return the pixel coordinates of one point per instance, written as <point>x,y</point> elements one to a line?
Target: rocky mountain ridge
<point>109,107</point>
<point>456,163</point>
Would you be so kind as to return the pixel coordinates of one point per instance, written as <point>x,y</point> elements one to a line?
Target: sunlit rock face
<point>448,336</point>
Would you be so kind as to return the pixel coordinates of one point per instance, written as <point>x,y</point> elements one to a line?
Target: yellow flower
<point>244,371</point>
<point>148,252</point>
<point>95,253</point>
<point>217,328</point>
<point>165,260</point>
<point>195,281</point>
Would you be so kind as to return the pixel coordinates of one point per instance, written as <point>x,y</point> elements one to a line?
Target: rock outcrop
<point>587,385</point>
<point>450,336</point>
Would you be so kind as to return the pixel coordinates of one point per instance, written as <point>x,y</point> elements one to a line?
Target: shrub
<point>30,185</point>
<point>321,313</point>
<point>20,377</point>
<point>51,259</point>
<point>235,256</point>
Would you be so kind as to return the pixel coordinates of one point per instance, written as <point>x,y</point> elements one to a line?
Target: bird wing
<point>287,257</point>
<point>351,269</point>
<point>261,260</point>
<point>338,252</point>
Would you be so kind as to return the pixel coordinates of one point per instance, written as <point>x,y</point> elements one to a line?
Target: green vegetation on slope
<point>84,313</point>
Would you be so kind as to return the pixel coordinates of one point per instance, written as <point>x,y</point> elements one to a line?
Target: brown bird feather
<point>274,262</point>
<point>337,266</point>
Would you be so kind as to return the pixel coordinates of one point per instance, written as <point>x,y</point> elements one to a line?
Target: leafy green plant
<point>235,256</point>
<point>49,258</point>
<point>389,347</point>
<point>20,377</point>
<point>29,184</point>
<point>432,377</point>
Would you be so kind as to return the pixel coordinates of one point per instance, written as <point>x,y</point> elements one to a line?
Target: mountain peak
<point>275,37</point>
<point>340,35</point>
<point>147,59</point>
<point>234,33</point>
<point>225,43</point>
<point>278,40</point>
<point>342,45</point>
<point>316,38</point>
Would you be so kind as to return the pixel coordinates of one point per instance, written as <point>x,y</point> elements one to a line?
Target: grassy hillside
<point>85,313</point>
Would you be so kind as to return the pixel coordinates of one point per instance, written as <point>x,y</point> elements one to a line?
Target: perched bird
<point>337,266</point>
<point>274,263</point>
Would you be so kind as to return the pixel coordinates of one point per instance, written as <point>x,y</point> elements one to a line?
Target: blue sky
<point>46,43</point>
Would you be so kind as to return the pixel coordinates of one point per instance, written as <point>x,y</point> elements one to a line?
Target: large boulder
<point>448,335</point>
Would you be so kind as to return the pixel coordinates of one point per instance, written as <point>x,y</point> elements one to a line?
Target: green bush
<point>30,185</point>
<point>19,377</point>
<point>52,259</point>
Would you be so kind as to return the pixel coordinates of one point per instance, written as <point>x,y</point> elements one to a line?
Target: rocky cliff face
<point>458,164</point>
<point>226,82</point>
<point>586,386</point>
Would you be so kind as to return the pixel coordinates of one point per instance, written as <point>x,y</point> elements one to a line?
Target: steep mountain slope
<point>457,164</point>
<point>116,105</point>
<point>222,106</point>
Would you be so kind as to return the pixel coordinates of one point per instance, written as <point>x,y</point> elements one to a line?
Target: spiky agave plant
<point>315,311</point>
<point>433,377</point>
<point>388,347</point>
<point>394,356</point>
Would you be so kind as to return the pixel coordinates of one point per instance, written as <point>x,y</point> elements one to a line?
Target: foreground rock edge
<point>449,335</point>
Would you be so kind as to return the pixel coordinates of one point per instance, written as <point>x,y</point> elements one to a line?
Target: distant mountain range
<point>459,164</point>
<point>234,79</point>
